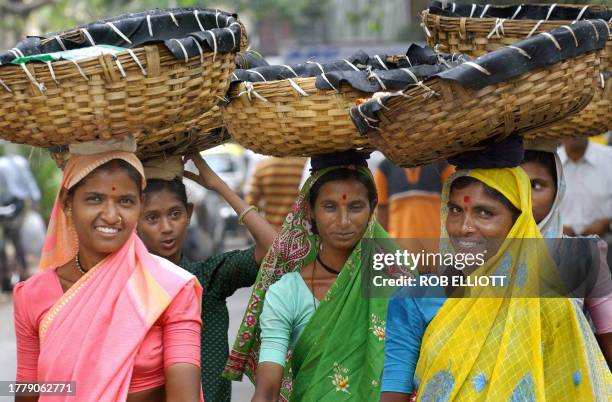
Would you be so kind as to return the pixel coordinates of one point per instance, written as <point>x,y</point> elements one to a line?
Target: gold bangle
<point>245,212</point>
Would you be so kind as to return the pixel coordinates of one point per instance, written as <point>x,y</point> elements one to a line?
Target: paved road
<point>241,391</point>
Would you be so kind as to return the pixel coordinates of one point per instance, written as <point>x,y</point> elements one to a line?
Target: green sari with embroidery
<point>340,354</point>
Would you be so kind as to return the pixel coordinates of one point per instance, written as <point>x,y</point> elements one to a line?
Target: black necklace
<point>327,267</point>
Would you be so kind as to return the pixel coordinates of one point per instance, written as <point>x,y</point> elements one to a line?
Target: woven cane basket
<point>414,131</point>
<point>477,36</point>
<point>183,138</point>
<point>144,91</point>
<point>288,123</point>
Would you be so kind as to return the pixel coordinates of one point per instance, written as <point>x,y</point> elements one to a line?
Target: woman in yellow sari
<point>479,348</point>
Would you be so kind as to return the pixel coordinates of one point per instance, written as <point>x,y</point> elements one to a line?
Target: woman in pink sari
<point>118,322</point>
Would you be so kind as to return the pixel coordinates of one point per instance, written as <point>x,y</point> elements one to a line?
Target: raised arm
<point>262,231</point>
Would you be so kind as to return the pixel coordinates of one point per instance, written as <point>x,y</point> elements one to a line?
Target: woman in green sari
<point>308,333</point>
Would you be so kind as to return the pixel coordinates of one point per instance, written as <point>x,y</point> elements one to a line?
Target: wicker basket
<point>288,123</point>
<point>413,131</point>
<point>477,36</point>
<point>145,91</point>
<point>183,138</point>
<point>197,135</point>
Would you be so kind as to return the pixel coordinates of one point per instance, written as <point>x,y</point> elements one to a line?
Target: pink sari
<point>92,334</point>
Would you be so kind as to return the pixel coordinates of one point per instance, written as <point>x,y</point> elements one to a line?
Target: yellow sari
<point>511,348</point>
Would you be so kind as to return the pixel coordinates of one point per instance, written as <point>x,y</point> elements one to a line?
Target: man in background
<point>274,186</point>
<point>18,190</point>
<point>587,206</point>
<point>409,204</point>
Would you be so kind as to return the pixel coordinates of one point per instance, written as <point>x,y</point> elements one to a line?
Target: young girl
<point>162,227</point>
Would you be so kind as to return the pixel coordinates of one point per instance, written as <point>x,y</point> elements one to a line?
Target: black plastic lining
<point>506,63</point>
<point>136,28</point>
<point>527,11</point>
<point>372,76</point>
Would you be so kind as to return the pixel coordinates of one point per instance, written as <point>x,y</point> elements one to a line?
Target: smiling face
<point>163,224</point>
<point>341,213</point>
<point>543,189</point>
<point>477,221</point>
<point>105,210</point>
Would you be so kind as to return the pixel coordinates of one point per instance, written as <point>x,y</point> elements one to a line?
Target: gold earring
<point>68,212</point>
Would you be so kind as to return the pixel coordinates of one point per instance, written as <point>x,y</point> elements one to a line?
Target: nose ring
<point>120,219</point>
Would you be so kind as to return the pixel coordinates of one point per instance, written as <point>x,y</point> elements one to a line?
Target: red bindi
<point>466,199</point>
<point>114,188</point>
<point>344,197</point>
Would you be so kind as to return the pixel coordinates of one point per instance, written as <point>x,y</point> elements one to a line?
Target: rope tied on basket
<point>61,43</point>
<point>553,39</point>
<point>550,10</point>
<point>372,74</point>
<point>323,75</point>
<point>4,85</point>
<point>382,63</point>
<point>200,50</point>
<point>497,28</point>
<point>366,118</point>
<point>182,48</point>
<point>80,70</point>
<point>173,18</point>
<point>295,86</point>
<point>39,85</point>
<point>428,91</point>
<point>135,58</point>
<point>217,13</point>
<point>572,32</point>
<point>149,25</point>
<point>16,52</point>
<point>233,36</point>
<point>290,69</point>
<point>477,67</point>
<point>484,11</point>
<point>581,13</point>
<point>195,13</point>
<point>258,73</point>
<point>535,28</point>
<point>521,51</point>
<point>50,66</point>
<point>88,36</point>
<point>214,39</point>
<point>425,29</point>
<point>251,90</point>
<point>440,58</point>
<point>595,29</point>
<point>473,10</point>
<point>120,67</point>
<point>518,10</point>
<point>351,65</point>
<point>118,32</point>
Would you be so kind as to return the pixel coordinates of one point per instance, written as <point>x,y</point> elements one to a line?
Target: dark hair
<point>544,159</point>
<point>174,186</point>
<point>109,166</point>
<point>465,181</point>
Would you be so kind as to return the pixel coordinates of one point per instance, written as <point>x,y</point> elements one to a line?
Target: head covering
<point>506,153</point>
<point>346,329</point>
<point>61,243</point>
<point>551,226</point>
<point>344,158</point>
<point>107,313</point>
<point>511,348</point>
<point>126,143</point>
<point>168,169</point>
